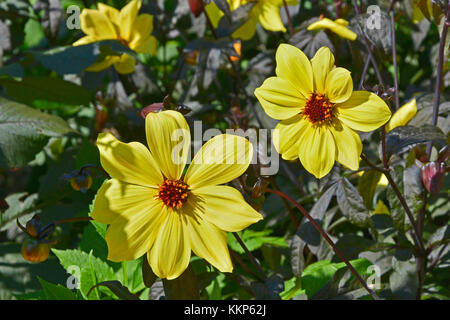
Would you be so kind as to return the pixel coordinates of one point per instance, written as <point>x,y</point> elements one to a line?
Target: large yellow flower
<point>131,29</point>
<point>338,26</point>
<point>266,12</point>
<point>153,209</point>
<point>319,110</point>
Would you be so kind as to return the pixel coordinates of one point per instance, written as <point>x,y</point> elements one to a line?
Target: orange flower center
<point>123,41</point>
<point>173,193</point>
<point>318,109</point>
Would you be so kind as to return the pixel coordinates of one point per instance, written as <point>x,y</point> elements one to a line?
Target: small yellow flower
<point>131,29</point>
<point>338,26</point>
<point>403,115</point>
<point>266,12</point>
<point>318,109</point>
<point>381,208</point>
<point>153,209</point>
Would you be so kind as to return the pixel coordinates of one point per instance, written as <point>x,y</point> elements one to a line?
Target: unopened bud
<point>33,226</point>
<point>154,107</point>
<point>433,176</point>
<point>196,7</point>
<point>79,180</point>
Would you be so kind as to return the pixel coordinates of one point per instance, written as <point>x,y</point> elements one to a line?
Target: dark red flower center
<point>173,193</point>
<point>318,109</point>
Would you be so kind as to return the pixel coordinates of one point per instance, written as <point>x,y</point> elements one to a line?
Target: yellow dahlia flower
<point>154,209</point>
<point>318,109</point>
<point>403,115</point>
<point>338,26</point>
<point>266,12</point>
<point>131,29</point>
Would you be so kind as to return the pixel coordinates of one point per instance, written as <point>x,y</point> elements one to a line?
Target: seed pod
<point>34,250</point>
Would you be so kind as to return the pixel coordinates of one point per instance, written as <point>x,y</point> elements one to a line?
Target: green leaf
<point>24,132</point>
<point>56,292</point>
<point>255,240</point>
<point>351,204</point>
<point>80,57</point>
<point>403,138</point>
<point>18,203</point>
<point>316,275</point>
<point>396,209</point>
<point>182,288</point>
<point>367,185</point>
<point>117,288</point>
<point>46,92</point>
<point>92,269</point>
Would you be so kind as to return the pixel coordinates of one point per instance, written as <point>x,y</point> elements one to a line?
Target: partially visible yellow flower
<point>266,12</point>
<point>131,29</point>
<point>403,115</point>
<point>382,182</point>
<point>381,208</point>
<point>318,109</point>
<point>154,209</point>
<point>338,26</point>
<point>417,12</point>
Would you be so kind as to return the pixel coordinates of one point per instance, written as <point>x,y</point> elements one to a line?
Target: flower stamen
<point>318,109</point>
<point>173,193</point>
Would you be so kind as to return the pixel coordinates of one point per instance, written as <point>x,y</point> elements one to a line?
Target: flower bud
<point>196,7</point>
<point>237,45</point>
<point>34,250</point>
<point>79,180</point>
<point>191,57</point>
<point>433,176</point>
<point>33,226</point>
<point>154,107</point>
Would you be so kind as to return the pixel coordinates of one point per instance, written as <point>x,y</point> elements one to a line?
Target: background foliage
<point>51,112</point>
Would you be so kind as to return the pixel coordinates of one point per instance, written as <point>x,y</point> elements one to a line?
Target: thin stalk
<point>369,50</point>
<point>364,72</point>
<point>250,256</point>
<point>394,56</point>
<point>327,238</point>
<point>290,26</point>
<point>437,89</point>
<point>244,266</point>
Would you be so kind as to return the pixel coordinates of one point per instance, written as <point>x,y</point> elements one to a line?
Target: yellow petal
<point>207,241</point>
<point>224,207</point>
<point>116,199</point>
<point>337,28</point>
<point>102,65</point>
<point>214,13</point>
<point>270,18</point>
<point>220,160</point>
<point>125,64</point>
<point>84,40</point>
<point>339,85</point>
<point>142,29</point>
<point>128,162</point>
<point>317,150</point>
<point>364,111</point>
<point>138,217</point>
<point>169,139</point>
<point>403,115</point>
<point>110,12</point>
<point>171,251</point>
<point>248,29</point>
<point>97,25</point>
<point>146,46</point>
<point>321,64</point>
<point>294,66</point>
<point>381,208</point>
<point>279,98</point>
<point>127,17</point>
<point>348,145</point>
<point>342,22</point>
<point>286,136</point>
